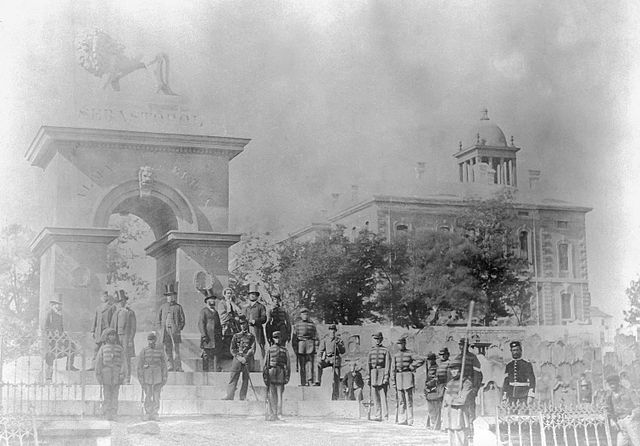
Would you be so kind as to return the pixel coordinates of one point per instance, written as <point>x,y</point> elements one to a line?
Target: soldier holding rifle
<point>243,347</point>
<point>331,351</point>
<point>379,369</point>
<point>276,373</point>
<point>403,364</point>
<point>152,374</point>
<point>304,342</point>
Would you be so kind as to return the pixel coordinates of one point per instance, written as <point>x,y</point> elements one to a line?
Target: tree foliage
<point>633,294</point>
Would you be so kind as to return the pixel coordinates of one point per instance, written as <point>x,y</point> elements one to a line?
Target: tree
<point>633,294</point>
<point>19,281</point>
<point>503,278</point>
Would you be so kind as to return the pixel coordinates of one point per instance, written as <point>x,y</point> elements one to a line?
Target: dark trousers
<point>405,406</point>
<point>152,398</point>
<point>238,368</point>
<point>209,360</point>
<point>307,369</point>
<point>335,389</point>
<point>110,400</point>
<point>172,350</point>
<point>434,407</point>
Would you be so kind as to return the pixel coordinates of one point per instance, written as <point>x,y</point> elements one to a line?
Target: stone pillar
<point>182,255</point>
<point>73,261</point>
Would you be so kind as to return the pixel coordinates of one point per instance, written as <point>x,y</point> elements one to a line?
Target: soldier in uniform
<point>124,322</point>
<point>276,372</point>
<point>331,351</point>
<point>171,323</point>
<point>433,392</point>
<point>379,369</point>
<point>519,385</point>
<point>278,320</point>
<point>111,368</point>
<point>152,374</point>
<point>473,372</point>
<point>403,364</point>
<point>58,344</point>
<point>243,347</point>
<point>304,342</point>
<point>210,333</point>
<point>256,314</point>
<point>101,320</point>
<point>455,406</point>
<point>620,402</point>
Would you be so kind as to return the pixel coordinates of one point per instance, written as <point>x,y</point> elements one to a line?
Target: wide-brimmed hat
<point>253,289</point>
<point>169,290</point>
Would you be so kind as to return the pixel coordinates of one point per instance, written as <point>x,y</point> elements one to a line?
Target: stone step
<point>343,409</point>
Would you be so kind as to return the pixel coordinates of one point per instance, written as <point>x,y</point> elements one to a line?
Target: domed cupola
<point>486,157</point>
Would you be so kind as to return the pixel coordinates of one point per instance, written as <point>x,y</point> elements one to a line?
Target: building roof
<point>597,312</point>
<point>485,133</point>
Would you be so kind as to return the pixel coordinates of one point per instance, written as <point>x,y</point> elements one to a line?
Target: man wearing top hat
<point>171,323</point>
<point>102,319</point>
<point>124,322</point>
<point>152,374</point>
<point>243,347</point>
<point>403,364</point>
<point>379,370</point>
<point>519,385</point>
<point>304,341</point>
<point>58,343</point>
<point>256,314</point>
<point>331,351</point>
<point>210,333</point>
<point>276,372</point>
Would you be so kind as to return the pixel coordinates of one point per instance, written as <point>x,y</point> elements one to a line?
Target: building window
<point>566,306</point>
<point>402,227</point>
<point>523,242</point>
<point>523,213</point>
<point>563,257</point>
<point>561,224</point>
<point>444,228</point>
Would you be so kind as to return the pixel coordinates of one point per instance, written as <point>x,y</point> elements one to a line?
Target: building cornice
<point>176,239</point>
<point>52,235</point>
<point>51,138</point>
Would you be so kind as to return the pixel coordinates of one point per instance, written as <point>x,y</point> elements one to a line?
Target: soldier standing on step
<point>519,385</point>
<point>276,373</point>
<point>256,314</point>
<point>304,342</point>
<point>243,347</point>
<point>111,368</point>
<point>58,344</point>
<point>124,322</point>
<point>101,320</point>
<point>433,392</point>
<point>403,364</point>
<point>331,351</point>
<point>171,323</point>
<point>210,333</point>
<point>278,320</point>
<point>379,369</point>
<point>152,374</point>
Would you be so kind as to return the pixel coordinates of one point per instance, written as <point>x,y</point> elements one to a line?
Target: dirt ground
<point>233,431</point>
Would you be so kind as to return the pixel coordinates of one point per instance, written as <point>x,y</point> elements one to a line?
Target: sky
<point>335,93</point>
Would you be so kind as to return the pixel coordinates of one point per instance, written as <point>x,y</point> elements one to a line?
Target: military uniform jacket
<point>519,380</point>
<point>152,366</point>
<point>276,369</point>
<point>210,327</point>
<point>379,363</point>
<point>124,322</point>
<point>278,320</point>
<point>305,338</point>
<point>433,390</point>
<point>242,345</point>
<point>454,403</point>
<point>332,349</point>
<point>442,372</point>
<point>403,364</point>
<point>102,320</point>
<point>110,364</point>
<point>472,369</point>
<point>171,322</point>
<point>256,312</point>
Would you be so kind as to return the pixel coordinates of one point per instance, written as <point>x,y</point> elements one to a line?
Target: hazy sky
<point>355,92</point>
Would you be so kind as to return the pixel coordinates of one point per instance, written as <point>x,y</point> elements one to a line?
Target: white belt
<point>517,384</point>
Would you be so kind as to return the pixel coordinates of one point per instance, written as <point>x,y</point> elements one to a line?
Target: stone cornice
<point>50,138</point>
<point>490,150</point>
<point>175,239</point>
<point>52,235</point>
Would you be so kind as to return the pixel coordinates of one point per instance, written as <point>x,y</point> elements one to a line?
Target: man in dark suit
<point>353,383</point>
<point>210,333</point>
<point>171,323</point>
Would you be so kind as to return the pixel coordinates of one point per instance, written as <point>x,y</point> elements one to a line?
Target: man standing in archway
<point>171,323</point>
<point>101,321</point>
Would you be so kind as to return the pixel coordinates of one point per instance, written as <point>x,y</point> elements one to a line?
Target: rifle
<point>267,405</point>
<point>142,400</point>
<point>397,404</point>
<point>245,366</point>
<point>466,342</point>
<point>370,403</point>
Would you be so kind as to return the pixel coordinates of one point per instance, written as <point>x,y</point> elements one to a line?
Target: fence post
<point>543,436</point>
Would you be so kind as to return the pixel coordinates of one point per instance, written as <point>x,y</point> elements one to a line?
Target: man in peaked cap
<point>331,351</point>
<point>403,364</point>
<point>152,374</point>
<point>519,385</point>
<point>278,320</point>
<point>171,322</point>
<point>59,344</point>
<point>102,318</point>
<point>243,347</point>
<point>276,373</point>
<point>256,314</point>
<point>304,342</point>
<point>111,368</point>
<point>124,322</point>
<point>433,392</point>
<point>455,406</point>
<point>378,371</point>
<point>210,333</point>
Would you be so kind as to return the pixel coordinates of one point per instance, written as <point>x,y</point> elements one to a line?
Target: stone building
<point>551,232</point>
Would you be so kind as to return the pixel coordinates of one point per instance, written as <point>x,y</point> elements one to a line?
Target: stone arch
<point>162,207</point>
